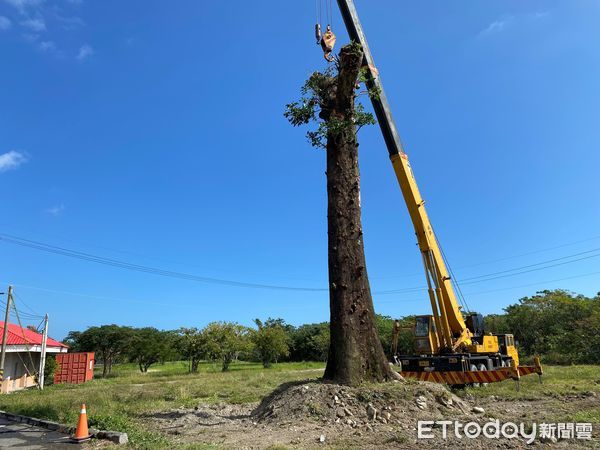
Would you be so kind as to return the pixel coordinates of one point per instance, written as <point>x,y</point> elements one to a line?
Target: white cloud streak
<point>47,46</point>
<point>501,24</point>
<point>36,25</point>
<point>5,23</point>
<point>496,26</point>
<point>23,5</point>
<point>85,51</point>
<point>11,160</point>
<point>55,210</point>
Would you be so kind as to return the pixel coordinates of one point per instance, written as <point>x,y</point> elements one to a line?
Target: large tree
<point>149,346</point>
<point>191,346</point>
<point>355,351</point>
<point>225,341</point>
<point>271,341</point>
<point>108,341</point>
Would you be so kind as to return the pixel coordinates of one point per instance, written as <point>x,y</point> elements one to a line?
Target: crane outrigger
<point>450,347</point>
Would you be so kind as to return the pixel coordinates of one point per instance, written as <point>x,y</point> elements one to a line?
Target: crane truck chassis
<point>450,347</point>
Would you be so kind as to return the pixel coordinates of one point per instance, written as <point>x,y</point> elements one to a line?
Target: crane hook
<point>327,43</point>
<point>318,33</point>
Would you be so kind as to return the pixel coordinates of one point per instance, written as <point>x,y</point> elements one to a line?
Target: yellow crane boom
<point>451,329</point>
<point>446,311</point>
<point>450,348</point>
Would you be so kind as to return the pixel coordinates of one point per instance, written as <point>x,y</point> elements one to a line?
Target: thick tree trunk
<point>355,351</point>
<point>104,366</point>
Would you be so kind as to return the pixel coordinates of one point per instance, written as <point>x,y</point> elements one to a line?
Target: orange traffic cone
<point>82,433</point>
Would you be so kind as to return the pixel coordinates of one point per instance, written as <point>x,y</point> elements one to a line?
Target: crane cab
<point>481,342</point>
<point>426,340</point>
<point>508,347</point>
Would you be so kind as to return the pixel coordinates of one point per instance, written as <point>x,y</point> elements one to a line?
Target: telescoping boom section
<point>450,346</point>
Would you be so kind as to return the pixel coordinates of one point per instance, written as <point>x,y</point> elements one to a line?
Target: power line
<point>533,265</point>
<point>506,258</point>
<point>155,271</point>
<point>510,287</point>
<point>97,297</point>
<point>534,252</point>
<point>115,299</point>
<point>531,270</point>
<point>490,276</point>
<point>24,314</point>
<point>35,313</point>
<point>535,284</point>
<point>146,269</point>
<point>27,346</point>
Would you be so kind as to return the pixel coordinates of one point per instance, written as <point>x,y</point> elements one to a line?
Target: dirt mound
<point>316,414</point>
<point>364,406</point>
<point>309,413</point>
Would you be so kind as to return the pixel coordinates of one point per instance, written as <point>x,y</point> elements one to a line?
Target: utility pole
<point>5,334</point>
<point>43,355</point>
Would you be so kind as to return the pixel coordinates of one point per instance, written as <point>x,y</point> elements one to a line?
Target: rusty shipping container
<point>74,368</point>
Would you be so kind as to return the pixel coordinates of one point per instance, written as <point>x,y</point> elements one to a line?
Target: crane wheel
<point>473,368</point>
<point>482,367</point>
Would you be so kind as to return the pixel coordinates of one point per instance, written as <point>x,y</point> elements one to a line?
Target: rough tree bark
<point>355,352</point>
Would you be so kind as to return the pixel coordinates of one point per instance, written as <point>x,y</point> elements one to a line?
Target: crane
<point>450,347</point>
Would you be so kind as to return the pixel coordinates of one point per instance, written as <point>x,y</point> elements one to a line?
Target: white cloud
<point>47,46</point>
<point>496,26</point>
<point>70,23</point>
<point>11,160</point>
<point>23,5</point>
<point>36,25</point>
<point>5,23</point>
<point>85,51</point>
<point>540,15</point>
<point>55,210</point>
<point>501,24</point>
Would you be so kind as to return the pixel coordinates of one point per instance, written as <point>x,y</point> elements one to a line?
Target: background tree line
<point>560,326</point>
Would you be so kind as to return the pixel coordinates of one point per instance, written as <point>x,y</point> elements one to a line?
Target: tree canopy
<point>271,341</point>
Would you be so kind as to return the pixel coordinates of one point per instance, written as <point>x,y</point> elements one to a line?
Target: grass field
<point>558,382</point>
<point>120,401</point>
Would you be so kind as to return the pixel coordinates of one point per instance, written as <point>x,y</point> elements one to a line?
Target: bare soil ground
<point>314,414</point>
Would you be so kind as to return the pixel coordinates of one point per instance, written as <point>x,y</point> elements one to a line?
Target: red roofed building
<point>23,351</point>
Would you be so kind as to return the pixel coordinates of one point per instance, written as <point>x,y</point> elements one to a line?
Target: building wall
<point>13,364</point>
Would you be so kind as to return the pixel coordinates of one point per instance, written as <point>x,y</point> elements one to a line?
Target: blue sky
<point>152,132</point>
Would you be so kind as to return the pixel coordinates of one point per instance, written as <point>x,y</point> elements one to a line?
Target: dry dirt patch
<point>322,415</point>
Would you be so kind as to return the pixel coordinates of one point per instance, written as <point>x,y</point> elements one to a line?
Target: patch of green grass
<point>397,438</point>
<point>315,409</point>
<point>591,415</point>
<point>199,447</point>
<point>557,382</point>
<point>121,401</point>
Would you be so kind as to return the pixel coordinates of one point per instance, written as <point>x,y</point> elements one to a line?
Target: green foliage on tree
<point>497,324</point>
<point>562,326</point>
<point>109,342</point>
<point>271,341</point>
<point>225,341</point>
<point>191,345</point>
<point>310,342</point>
<point>315,96</point>
<point>385,327</point>
<point>148,346</point>
<point>49,369</point>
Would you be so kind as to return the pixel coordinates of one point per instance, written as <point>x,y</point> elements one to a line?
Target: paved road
<point>22,436</point>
